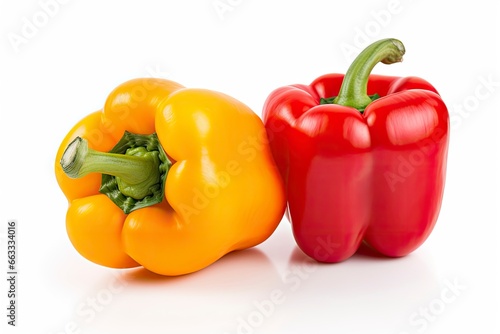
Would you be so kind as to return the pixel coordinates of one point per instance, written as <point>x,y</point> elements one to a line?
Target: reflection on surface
<point>252,292</point>
<point>384,290</point>
<point>217,297</point>
<point>242,267</point>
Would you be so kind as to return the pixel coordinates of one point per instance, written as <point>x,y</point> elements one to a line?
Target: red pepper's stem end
<point>397,55</point>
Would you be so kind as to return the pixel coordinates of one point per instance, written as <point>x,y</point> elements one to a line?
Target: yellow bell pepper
<point>167,177</point>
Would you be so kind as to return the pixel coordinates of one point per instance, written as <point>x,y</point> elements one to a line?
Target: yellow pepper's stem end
<point>70,162</point>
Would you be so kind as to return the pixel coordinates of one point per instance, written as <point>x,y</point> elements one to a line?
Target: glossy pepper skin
<point>222,192</point>
<point>360,170</point>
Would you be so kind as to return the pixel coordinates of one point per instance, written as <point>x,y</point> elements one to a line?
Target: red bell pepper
<point>363,157</point>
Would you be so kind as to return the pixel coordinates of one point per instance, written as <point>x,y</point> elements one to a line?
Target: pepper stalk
<point>133,172</point>
<point>353,92</point>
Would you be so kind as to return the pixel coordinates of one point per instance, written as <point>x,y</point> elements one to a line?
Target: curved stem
<point>353,92</point>
<point>136,172</point>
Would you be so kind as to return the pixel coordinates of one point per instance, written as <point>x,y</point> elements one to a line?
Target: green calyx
<point>353,92</point>
<point>330,100</point>
<point>133,172</point>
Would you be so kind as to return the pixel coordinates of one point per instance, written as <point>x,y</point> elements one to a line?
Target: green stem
<point>136,172</point>
<point>353,92</point>
<point>79,160</point>
<point>133,172</point>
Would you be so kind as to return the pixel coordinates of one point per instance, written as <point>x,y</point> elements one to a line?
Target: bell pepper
<point>363,157</point>
<point>168,178</point>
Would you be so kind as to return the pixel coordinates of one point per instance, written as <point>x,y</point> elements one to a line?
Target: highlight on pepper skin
<point>171,181</point>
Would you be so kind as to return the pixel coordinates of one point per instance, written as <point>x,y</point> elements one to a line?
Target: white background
<point>63,69</point>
